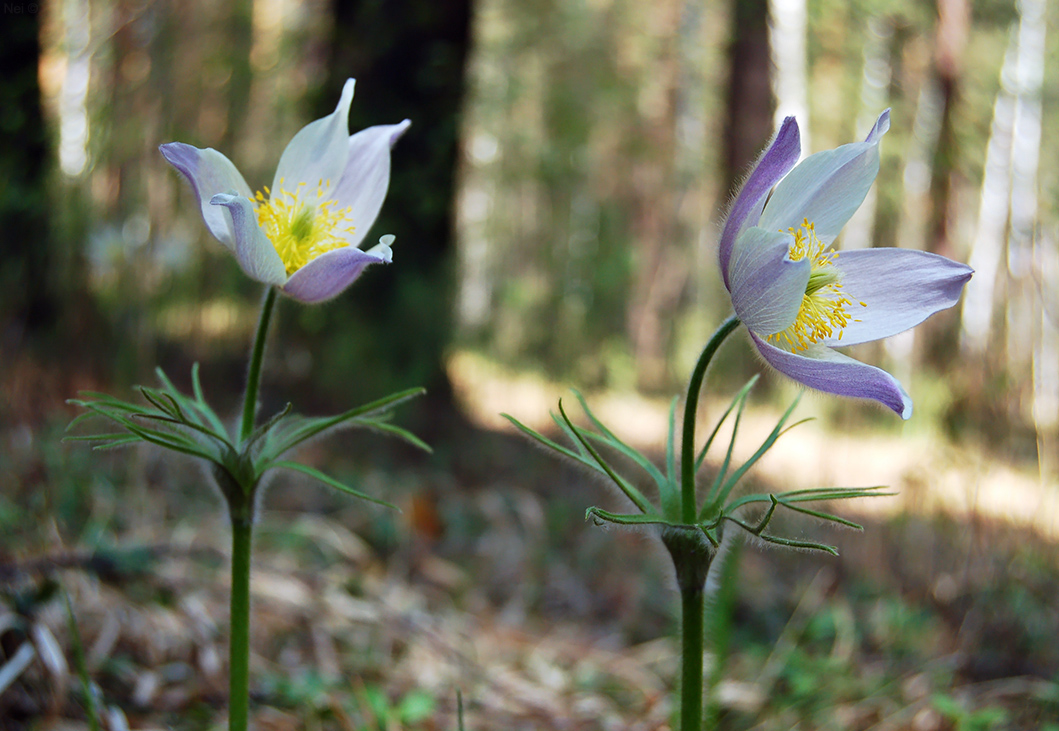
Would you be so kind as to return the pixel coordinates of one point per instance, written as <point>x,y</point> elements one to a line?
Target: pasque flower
<point>799,298</point>
<point>303,234</point>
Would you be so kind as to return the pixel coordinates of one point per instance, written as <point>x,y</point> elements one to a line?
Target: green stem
<point>257,355</point>
<point>239,647</point>
<point>691,606</point>
<point>688,510</point>
<point>692,555</point>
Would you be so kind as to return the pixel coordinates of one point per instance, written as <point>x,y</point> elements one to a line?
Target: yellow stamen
<point>301,225</point>
<point>824,305</point>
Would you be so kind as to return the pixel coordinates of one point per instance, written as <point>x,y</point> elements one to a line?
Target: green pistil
<point>820,278</point>
<point>301,228</point>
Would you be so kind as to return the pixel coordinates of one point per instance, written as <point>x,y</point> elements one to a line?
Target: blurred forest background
<point>556,206</point>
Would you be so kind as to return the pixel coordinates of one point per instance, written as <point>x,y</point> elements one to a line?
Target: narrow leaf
<point>765,446</point>
<point>599,515</point>
<point>311,427</point>
<point>328,480</point>
<point>608,437</point>
<point>625,486</point>
<point>737,399</point>
<point>823,516</point>
<point>555,446</point>
<point>395,431</point>
<point>713,501</point>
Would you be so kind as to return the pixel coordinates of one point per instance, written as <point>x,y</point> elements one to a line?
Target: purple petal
<point>901,288</point>
<point>776,162</point>
<point>366,177</point>
<point>328,274</point>
<point>826,188</point>
<point>824,369</point>
<point>767,287</point>
<point>254,252</point>
<point>209,173</point>
<point>317,154</point>
<point>881,127</point>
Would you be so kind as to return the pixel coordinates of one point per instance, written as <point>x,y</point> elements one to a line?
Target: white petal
<point>254,252</point>
<point>382,249</point>
<point>366,178</point>
<point>767,287</point>
<point>209,173</point>
<point>901,288</point>
<point>318,152</point>
<point>827,188</point>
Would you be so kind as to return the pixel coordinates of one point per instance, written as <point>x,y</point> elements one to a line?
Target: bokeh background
<point>556,205</point>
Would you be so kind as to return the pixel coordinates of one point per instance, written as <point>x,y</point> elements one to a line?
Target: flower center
<point>824,309</point>
<point>301,225</point>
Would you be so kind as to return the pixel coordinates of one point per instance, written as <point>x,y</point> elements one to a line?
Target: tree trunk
<point>749,99</point>
<point>657,276</point>
<point>28,301</point>
<point>941,335</point>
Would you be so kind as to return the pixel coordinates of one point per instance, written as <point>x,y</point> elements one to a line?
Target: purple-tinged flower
<point>799,298</point>
<point>303,234</point>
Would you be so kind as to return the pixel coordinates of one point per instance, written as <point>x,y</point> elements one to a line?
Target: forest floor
<point>489,586</point>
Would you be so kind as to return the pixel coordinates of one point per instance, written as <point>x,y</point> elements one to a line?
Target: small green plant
<point>799,300</point>
<point>299,240</point>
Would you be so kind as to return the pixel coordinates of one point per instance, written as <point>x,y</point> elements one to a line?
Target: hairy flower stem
<point>239,640</point>
<point>688,509</point>
<point>692,555</point>
<point>241,510</point>
<point>691,609</point>
<point>690,550</point>
<point>257,355</point>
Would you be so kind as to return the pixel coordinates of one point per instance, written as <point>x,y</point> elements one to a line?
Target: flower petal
<point>328,274</point>
<point>828,187</point>
<point>776,161</point>
<point>767,287</point>
<point>824,369</point>
<point>363,184</point>
<point>209,173</point>
<point>901,288</point>
<point>254,252</point>
<point>317,154</point>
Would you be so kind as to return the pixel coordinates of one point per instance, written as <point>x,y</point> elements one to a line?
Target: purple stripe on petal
<point>901,288</point>
<point>254,252</point>
<point>824,369</point>
<point>209,173</point>
<point>767,287</point>
<point>363,184</point>
<point>776,162</point>
<point>882,126</point>
<point>328,274</point>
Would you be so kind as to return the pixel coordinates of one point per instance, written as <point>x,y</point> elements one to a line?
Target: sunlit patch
<point>825,307</point>
<point>302,225</point>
